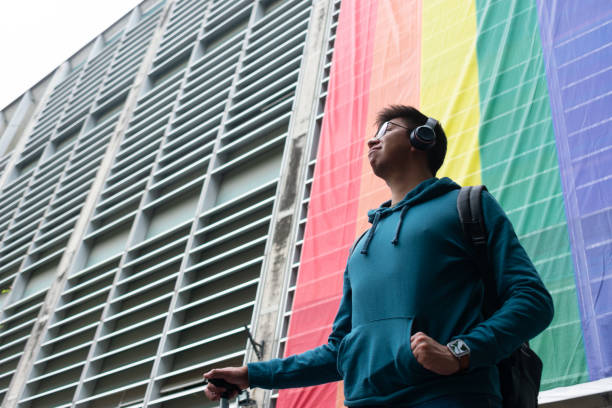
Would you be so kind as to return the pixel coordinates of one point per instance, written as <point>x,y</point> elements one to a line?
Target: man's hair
<point>435,155</point>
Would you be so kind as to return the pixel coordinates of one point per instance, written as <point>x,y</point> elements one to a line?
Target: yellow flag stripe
<point>449,83</point>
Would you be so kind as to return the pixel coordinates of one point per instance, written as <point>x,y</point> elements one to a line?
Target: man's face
<point>390,150</point>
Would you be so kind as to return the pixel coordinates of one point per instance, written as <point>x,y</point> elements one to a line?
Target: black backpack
<point>520,373</point>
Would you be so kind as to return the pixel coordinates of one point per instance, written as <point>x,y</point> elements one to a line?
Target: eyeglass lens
<point>382,130</point>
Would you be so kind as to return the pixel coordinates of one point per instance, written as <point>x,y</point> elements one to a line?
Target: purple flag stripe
<point>577,45</point>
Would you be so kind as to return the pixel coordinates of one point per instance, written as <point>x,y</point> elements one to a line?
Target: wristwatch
<point>461,351</point>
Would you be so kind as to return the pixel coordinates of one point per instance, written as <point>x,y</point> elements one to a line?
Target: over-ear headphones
<point>424,137</point>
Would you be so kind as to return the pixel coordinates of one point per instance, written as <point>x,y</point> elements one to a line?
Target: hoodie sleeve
<point>527,307</point>
<point>313,367</point>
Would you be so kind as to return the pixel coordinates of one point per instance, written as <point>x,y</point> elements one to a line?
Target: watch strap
<point>464,362</point>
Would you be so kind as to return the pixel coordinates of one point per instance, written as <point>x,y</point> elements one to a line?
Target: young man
<point>410,330</point>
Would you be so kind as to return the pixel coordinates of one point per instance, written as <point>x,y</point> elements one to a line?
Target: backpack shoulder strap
<point>469,206</point>
<point>357,241</point>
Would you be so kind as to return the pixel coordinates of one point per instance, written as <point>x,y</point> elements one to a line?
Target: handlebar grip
<point>229,387</point>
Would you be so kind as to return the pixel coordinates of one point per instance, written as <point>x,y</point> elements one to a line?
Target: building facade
<point>115,293</point>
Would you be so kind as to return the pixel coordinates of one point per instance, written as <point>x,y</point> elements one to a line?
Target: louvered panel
<point>218,292</point>
<point>61,358</point>
<point>86,91</point>
<point>201,107</point>
<point>48,118</point>
<point>224,12</point>
<point>181,31</point>
<point>34,202</point>
<point>59,96</point>
<point>289,15</point>
<point>163,93</point>
<point>128,59</point>
<point>266,88</point>
<point>124,185</point>
<point>9,200</point>
<point>48,173</point>
<point>58,224</point>
<point>154,103</point>
<point>216,60</point>
<point>131,330</point>
<point>17,321</point>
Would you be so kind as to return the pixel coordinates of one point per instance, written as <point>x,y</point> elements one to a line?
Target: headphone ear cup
<point>423,143</point>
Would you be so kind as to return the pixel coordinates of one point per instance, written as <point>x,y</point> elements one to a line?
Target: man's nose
<point>373,142</point>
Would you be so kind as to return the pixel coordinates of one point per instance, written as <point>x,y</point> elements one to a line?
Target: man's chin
<point>376,168</point>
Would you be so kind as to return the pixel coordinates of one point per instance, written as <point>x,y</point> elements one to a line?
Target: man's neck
<point>402,185</point>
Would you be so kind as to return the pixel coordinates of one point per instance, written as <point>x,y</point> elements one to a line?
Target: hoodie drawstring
<point>399,225</point>
<point>366,244</point>
<point>424,192</point>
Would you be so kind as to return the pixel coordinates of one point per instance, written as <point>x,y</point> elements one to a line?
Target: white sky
<point>38,35</point>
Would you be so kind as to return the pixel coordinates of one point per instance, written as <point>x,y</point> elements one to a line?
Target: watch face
<point>458,348</point>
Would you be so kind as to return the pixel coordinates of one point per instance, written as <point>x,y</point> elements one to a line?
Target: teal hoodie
<point>414,271</point>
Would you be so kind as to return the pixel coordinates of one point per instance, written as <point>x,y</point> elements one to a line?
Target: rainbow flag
<point>523,89</point>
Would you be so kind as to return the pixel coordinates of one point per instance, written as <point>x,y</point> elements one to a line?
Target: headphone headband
<point>431,122</point>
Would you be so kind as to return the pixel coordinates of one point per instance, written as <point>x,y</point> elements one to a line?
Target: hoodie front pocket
<point>376,359</point>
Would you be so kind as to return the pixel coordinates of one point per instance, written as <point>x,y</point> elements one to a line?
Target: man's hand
<point>433,355</point>
<point>234,375</point>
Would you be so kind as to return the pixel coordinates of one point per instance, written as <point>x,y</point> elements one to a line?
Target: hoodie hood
<point>424,191</point>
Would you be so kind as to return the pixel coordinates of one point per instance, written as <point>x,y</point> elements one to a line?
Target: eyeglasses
<point>384,127</point>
